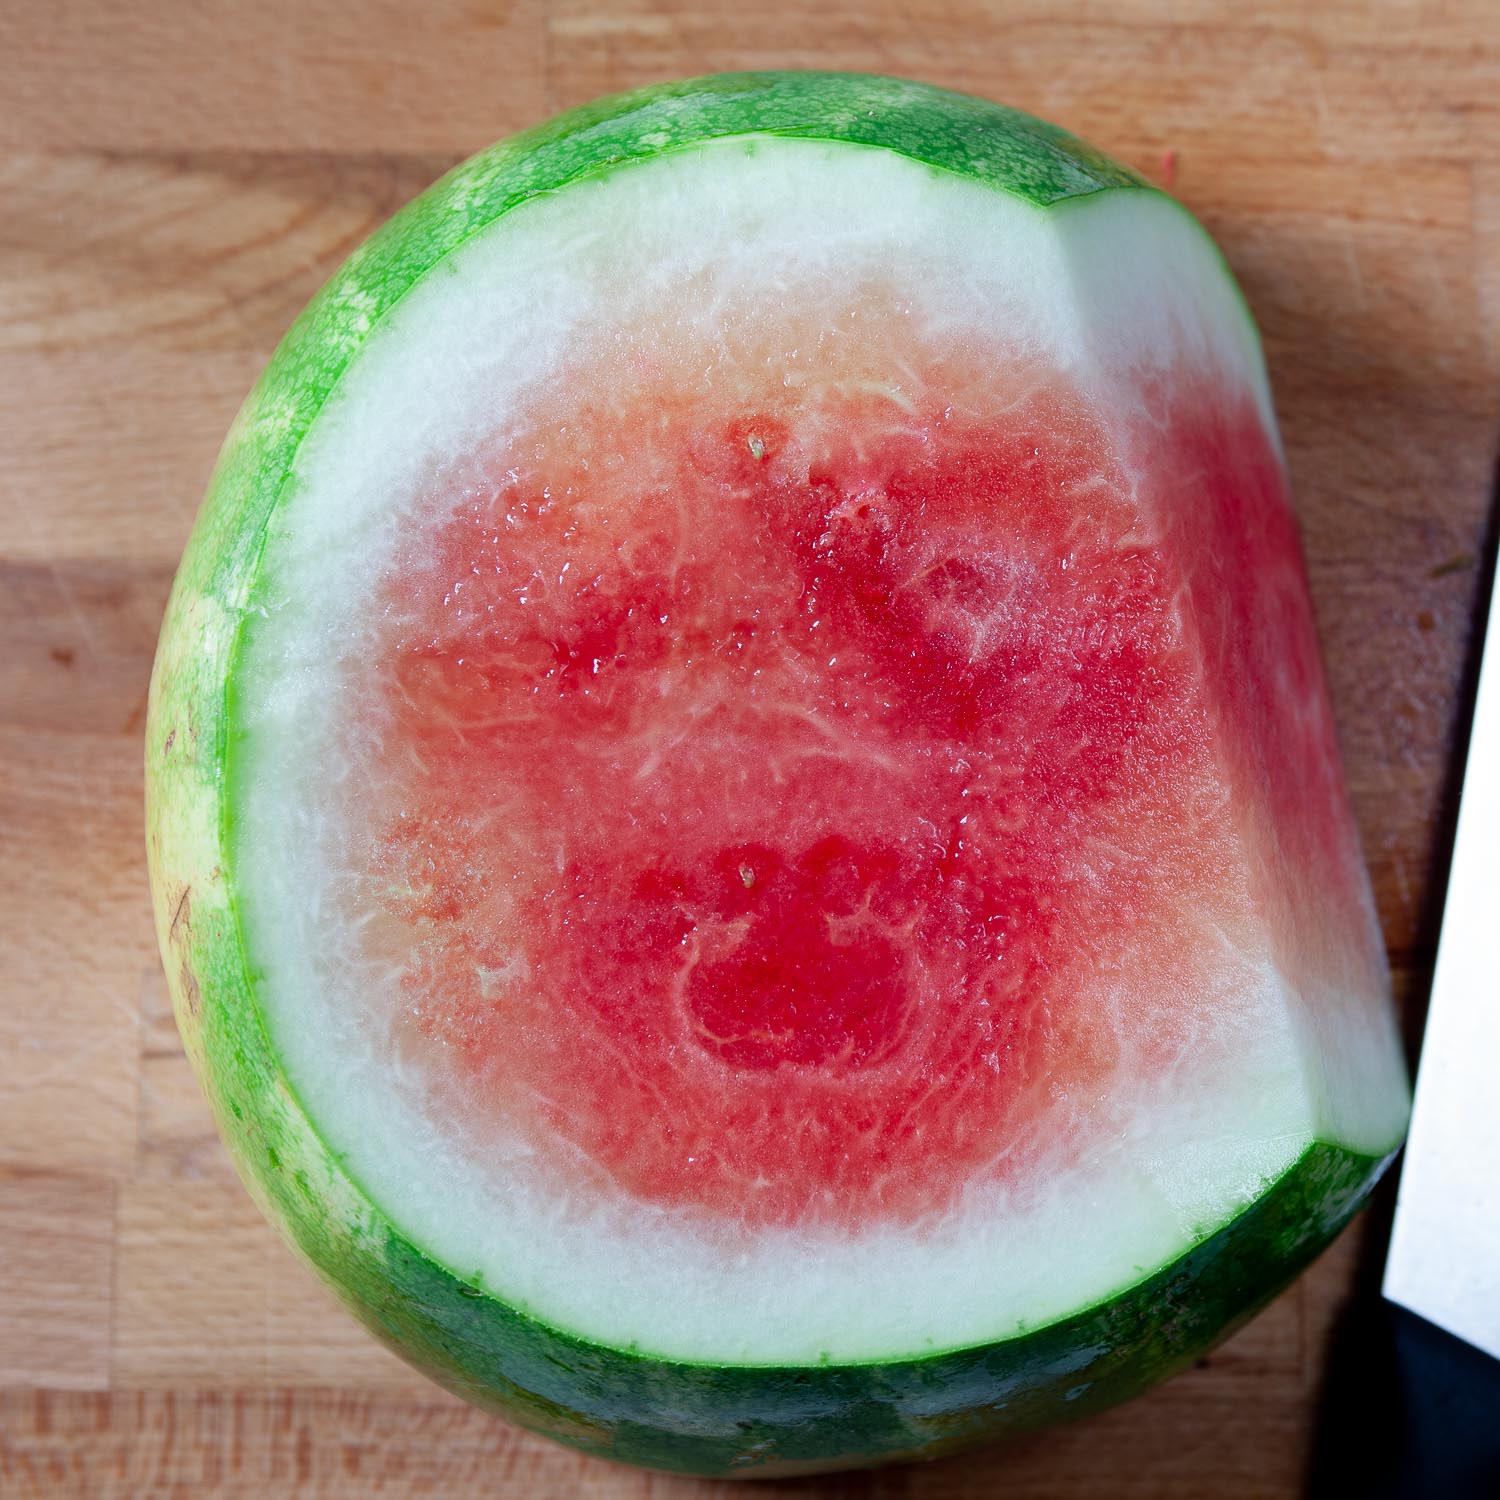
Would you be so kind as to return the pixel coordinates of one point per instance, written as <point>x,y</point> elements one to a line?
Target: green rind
<point>614,1402</point>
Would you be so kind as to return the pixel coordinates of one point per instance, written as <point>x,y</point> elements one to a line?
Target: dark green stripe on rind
<point>627,1406</point>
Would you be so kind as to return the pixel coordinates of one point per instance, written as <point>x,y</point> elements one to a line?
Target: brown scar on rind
<point>192,995</point>
<point>183,916</point>
<point>170,740</point>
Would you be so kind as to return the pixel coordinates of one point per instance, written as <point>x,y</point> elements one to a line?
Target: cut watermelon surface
<point>745,818</point>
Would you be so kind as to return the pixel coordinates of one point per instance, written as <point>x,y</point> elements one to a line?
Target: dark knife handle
<point>1409,1412</point>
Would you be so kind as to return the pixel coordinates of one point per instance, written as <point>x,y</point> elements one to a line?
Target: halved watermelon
<point>745,821</point>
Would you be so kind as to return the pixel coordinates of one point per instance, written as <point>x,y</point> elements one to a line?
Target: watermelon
<point>745,822</point>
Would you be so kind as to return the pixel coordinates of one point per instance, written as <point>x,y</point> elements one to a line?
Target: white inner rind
<point>1101,290</point>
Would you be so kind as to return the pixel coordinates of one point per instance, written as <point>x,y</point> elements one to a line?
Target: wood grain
<point>279,75</point>
<point>179,178</point>
<point>56,1247</point>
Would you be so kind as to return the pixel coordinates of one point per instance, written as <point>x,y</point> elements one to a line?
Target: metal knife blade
<point>1444,1259</point>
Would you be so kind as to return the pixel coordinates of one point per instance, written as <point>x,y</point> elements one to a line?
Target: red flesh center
<point>776,801</point>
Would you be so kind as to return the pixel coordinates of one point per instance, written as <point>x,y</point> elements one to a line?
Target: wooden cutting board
<point>176,179</point>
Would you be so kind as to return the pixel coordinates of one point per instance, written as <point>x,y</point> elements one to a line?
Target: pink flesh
<point>1250,615</point>
<point>784,812</point>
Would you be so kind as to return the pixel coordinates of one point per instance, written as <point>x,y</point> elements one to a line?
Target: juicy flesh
<point>793,795</point>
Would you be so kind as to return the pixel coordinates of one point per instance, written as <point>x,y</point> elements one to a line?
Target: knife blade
<point>1444,1258</point>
